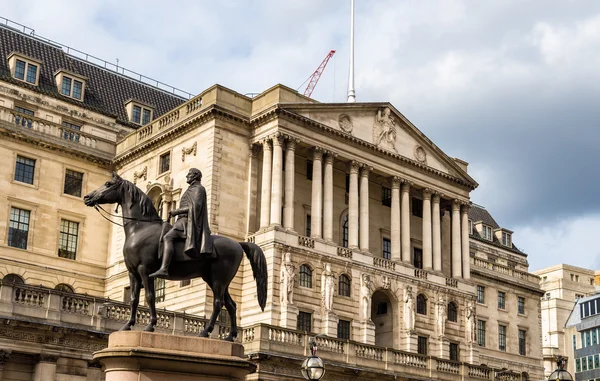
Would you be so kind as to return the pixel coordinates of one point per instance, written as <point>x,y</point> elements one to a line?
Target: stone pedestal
<point>330,323</point>
<point>367,332</point>
<point>289,316</point>
<point>411,341</point>
<point>135,355</point>
<point>443,348</point>
<point>472,354</point>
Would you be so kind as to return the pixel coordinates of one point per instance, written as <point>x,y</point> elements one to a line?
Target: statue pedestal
<point>289,316</point>
<point>330,323</point>
<point>411,341</point>
<point>135,355</point>
<point>367,332</point>
<point>443,348</point>
<point>472,353</point>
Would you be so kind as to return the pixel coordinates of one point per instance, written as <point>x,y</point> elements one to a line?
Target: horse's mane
<point>137,196</point>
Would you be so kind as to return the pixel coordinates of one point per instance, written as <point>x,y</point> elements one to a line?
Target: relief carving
<point>143,174</point>
<point>189,151</point>
<point>384,130</point>
<point>420,154</point>
<point>345,123</point>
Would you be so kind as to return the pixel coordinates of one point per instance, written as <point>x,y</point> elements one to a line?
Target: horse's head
<point>108,193</point>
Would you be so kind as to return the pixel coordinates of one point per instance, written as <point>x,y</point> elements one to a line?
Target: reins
<point>98,208</point>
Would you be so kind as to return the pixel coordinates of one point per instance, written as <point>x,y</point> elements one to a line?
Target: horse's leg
<point>231,308</point>
<point>217,306</point>
<point>134,283</point>
<point>150,300</point>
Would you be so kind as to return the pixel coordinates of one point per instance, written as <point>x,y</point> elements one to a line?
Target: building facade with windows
<point>563,286</point>
<point>370,238</point>
<point>582,338</point>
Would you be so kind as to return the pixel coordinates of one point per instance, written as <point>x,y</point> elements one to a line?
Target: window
<point>452,312</point>
<point>71,87</point>
<point>574,342</point>
<point>584,363</point>
<point>63,287</point>
<point>345,231</point>
<point>486,232</point>
<point>522,342</point>
<point>21,120</point>
<point>382,308</point>
<point>165,162</point>
<point>470,224</point>
<point>502,337</point>
<point>343,331</point>
<point>506,239</point>
<point>67,242</point>
<point>421,304</point>
<point>24,111</point>
<point>73,183</point>
<point>70,132</point>
<point>418,258</point>
<point>309,169</point>
<point>481,333</point>
<point>24,169</point>
<point>305,276</point>
<point>26,71</point>
<point>308,225</point>
<point>304,322</point>
<point>387,248</point>
<point>185,282</point>
<point>18,230</point>
<point>386,196</point>
<point>480,294</point>
<point>127,294</point>
<point>347,183</point>
<point>501,300</point>
<point>422,345</point>
<point>417,207</point>
<point>577,365</point>
<point>141,115</point>
<point>596,361</point>
<point>159,289</point>
<point>594,337</point>
<point>146,116</point>
<point>13,279</point>
<point>344,285</point>
<point>521,305</point>
<point>453,351</point>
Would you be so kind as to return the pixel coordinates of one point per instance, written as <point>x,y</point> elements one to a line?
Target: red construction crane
<point>314,78</point>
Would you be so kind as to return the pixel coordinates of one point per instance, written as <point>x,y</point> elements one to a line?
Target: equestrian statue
<point>154,248</point>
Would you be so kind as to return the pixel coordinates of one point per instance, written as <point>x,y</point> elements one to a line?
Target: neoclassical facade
<point>373,246</point>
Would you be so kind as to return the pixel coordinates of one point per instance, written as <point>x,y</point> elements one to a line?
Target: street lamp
<point>560,373</point>
<point>312,367</point>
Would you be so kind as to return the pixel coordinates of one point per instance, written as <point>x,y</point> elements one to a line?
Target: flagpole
<point>351,93</point>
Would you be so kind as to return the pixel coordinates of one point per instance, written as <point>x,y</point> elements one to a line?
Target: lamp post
<point>560,373</point>
<point>312,367</point>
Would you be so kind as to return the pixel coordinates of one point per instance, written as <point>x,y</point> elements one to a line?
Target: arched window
<point>64,287</point>
<point>305,276</point>
<point>13,278</point>
<point>421,304</point>
<point>452,312</point>
<point>344,285</point>
<point>345,230</point>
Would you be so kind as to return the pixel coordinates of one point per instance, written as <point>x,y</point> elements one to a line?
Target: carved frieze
<point>189,151</point>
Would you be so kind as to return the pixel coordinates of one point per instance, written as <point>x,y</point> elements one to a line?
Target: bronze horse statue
<point>143,227</point>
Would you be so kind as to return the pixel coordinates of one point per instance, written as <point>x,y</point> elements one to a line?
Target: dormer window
<point>138,112</point>
<point>24,68</point>
<point>486,232</point>
<point>70,84</point>
<point>506,239</point>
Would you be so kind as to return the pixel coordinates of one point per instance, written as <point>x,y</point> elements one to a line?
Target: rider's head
<point>194,175</point>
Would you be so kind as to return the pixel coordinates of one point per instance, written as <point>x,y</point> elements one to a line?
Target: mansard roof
<point>478,213</point>
<point>106,90</point>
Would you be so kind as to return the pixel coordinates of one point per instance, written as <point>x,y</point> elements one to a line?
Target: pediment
<point>383,126</point>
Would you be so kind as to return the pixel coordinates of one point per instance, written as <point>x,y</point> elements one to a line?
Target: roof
<point>479,213</point>
<point>106,90</point>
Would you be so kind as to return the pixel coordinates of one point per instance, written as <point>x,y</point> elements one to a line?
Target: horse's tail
<point>259,269</point>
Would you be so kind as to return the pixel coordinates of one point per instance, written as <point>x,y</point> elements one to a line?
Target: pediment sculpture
<point>384,130</point>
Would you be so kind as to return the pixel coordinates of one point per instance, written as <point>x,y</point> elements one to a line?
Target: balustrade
<point>410,359</point>
<point>306,242</point>
<point>330,345</point>
<point>477,371</point>
<point>505,270</point>
<point>421,274</point>
<point>75,305</point>
<point>384,263</point>
<point>29,297</point>
<point>451,282</point>
<point>448,366</point>
<point>344,252</point>
<point>285,336</point>
<point>369,352</point>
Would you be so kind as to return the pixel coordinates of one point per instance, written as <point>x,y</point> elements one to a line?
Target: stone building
<point>370,238</point>
<point>582,338</point>
<point>563,286</point>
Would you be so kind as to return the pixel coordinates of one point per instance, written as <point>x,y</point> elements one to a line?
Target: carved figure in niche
<point>384,131</point>
<point>327,287</point>
<point>442,315</point>
<point>365,297</point>
<point>470,323</point>
<point>286,280</point>
<point>409,309</point>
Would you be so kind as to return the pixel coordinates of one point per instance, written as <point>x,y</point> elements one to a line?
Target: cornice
<point>483,274</point>
<point>278,112</point>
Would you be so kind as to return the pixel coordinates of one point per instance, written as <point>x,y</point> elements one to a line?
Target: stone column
<point>317,194</point>
<point>464,229</point>
<point>395,218</point>
<point>276,180</point>
<point>405,222</point>
<point>437,233</point>
<point>353,206</point>
<point>265,198</point>
<point>252,189</point>
<point>364,208</point>
<point>45,369</point>
<point>4,356</point>
<point>290,177</point>
<point>456,247</point>
<point>328,198</point>
<point>427,253</point>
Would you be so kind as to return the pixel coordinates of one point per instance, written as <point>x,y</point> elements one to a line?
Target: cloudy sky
<point>511,86</point>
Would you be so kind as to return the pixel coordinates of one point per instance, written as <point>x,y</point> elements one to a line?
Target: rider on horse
<point>192,225</point>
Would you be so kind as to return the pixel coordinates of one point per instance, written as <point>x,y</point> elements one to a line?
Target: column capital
<point>330,157</point>
<point>318,153</point>
<point>278,139</point>
<point>291,143</point>
<point>44,357</point>
<point>396,182</point>
<point>353,166</point>
<point>466,206</point>
<point>365,169</point>
<point>406,185</point>
<point>254,149</point>
<point>456,203</point>
<point>265,142</point>
<point>426,194</point>
<point>436,196</point>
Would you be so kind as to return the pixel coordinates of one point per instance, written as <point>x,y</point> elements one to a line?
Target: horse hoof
<point>149,328</point>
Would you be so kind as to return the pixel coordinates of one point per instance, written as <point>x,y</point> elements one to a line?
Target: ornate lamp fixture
<point>312,367</point>
<point>560,373</point>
